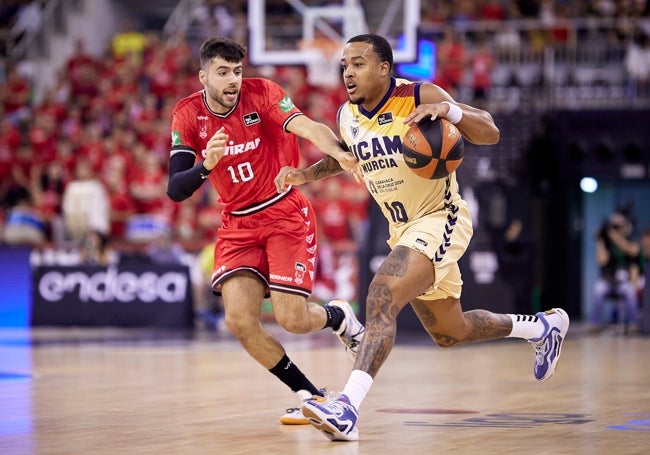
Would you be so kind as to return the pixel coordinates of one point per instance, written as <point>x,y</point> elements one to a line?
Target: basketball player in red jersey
<point>238,133</point>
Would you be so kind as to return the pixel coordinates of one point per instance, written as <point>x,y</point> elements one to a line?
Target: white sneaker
<point>548,347</point>
<point>293,416</point>
<point>351,331</point>
<point>336,419</point>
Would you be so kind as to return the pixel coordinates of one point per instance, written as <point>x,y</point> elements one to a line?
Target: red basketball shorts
<point>278,244</point>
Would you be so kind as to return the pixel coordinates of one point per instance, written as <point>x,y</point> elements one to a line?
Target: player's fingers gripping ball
<point>433,149</point>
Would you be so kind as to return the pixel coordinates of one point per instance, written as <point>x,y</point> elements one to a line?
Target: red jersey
<point>258,146</point>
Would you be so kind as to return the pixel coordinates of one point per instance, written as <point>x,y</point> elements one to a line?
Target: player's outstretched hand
<point>288,176</point>
<point>349,163</point>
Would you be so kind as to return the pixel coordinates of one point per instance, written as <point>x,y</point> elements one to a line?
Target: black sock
<point>287,372</point>
<point>335,316</point>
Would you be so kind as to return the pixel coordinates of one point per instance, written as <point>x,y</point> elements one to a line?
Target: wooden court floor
<point>114,391</point>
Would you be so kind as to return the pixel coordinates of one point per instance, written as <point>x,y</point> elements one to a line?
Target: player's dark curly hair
<point>380,46</point>
<point>225,48</point>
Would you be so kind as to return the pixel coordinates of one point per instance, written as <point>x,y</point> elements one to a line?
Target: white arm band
<point>455,113</point>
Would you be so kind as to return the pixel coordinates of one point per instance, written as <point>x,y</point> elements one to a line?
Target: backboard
<point>291,32</point>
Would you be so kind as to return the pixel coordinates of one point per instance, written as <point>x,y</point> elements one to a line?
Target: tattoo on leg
<point>446,341</point>
<point>425,315</point>
<point>487,325</point>
<point>380,302</point>
<point>381,325</point>
<point>379,345</point>
<point>483,326</point>
<point>396,264</point>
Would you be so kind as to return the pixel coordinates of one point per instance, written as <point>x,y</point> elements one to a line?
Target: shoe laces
<point>338,406</point>
<point>353,342</point>
<point>541,349</point>
<point>332,396</point>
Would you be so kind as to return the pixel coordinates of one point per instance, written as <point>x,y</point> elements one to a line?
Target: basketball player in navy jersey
<point>237,133</point>
<point>430,229</point>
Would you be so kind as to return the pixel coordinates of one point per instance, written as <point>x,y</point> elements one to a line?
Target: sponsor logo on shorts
<point>286,279</point>
<point>300,272</point>
<point>420,245</point>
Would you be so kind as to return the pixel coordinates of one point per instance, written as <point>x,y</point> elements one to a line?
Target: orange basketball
<point>433,149</point>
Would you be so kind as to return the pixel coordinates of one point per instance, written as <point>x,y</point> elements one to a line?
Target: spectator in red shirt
<point>452,61</point>
<point>9,141</point>
<point>92,147</point>
<point>42,137</point>
<point>78,61</point>
<point>492,10</point>
<point>159,74</point>
<point>148,182</point>
<point>122,206</point>
<point>481,63</point>
<point>14,94</point>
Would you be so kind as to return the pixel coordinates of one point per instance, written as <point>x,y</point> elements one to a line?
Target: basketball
<point>433,149</point>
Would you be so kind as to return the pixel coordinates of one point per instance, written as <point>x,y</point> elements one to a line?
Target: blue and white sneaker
<point>548,347</point>
<point>336,419</point>
<point>351,331</point>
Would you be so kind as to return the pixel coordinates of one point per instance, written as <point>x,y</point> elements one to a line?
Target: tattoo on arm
<point>324,168</point>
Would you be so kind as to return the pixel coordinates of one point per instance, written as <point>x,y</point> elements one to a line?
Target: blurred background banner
<point>15,282</point>
<point>133,295</point>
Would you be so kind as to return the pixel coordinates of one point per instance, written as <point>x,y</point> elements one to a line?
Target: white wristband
<point>455,113</point>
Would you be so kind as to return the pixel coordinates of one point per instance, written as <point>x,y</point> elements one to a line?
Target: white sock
<point>357,387</point>
<point>526,326</point>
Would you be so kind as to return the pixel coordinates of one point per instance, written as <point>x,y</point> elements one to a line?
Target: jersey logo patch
<point>385,118</point>
<point>203,125</point>
<point>286,104</point>
<point>176,138</point>
<point>251,119</point>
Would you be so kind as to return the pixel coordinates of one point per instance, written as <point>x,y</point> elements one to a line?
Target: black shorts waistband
<point>259,206</point>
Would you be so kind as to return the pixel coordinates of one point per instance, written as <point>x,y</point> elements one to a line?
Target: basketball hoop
<point>323,61</point>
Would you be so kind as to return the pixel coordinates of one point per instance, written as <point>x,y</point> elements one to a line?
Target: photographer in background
<point>617,256</point>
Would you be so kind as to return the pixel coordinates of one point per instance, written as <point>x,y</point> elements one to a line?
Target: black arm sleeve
<point>184,178</point>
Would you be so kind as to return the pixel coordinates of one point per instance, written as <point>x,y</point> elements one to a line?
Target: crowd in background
<point>85,167</point>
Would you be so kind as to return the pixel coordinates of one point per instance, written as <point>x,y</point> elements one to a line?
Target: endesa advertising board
<point>133,295</point>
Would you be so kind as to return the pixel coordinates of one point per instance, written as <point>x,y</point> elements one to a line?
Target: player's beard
<point>359,101</point>
<point>219,98</point>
